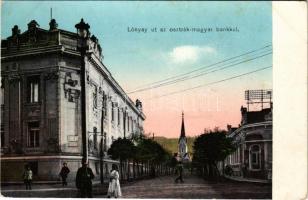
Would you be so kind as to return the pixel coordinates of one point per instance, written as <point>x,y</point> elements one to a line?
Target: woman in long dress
<point>114,189</point>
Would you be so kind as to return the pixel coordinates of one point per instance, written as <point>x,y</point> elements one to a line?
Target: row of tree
<point>210,148</point>
<point>144,153</point>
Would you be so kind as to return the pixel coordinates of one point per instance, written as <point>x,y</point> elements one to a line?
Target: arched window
<point>255,157</point>
<point>95,137</point>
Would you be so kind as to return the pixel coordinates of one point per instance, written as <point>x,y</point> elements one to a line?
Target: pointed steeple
<point>182,140</point>
<point>183,127</point>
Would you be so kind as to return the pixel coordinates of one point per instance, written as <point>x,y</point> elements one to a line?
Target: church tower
<point>182,141</point>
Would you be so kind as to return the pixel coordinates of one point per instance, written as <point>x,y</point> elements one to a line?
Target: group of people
<point>85,175</point>
<point>84,178</point>
<point>28,174</point>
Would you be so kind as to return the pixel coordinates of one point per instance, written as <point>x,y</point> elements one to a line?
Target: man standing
<point>180,171</point>
<point>64,172</point>
<point>174,163</point>
<point>84,178</point>
<point>27,176</point>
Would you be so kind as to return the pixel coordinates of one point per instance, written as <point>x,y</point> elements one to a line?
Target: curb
<point>248,180</point>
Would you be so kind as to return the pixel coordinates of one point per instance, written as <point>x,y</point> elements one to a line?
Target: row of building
<point>41,104</point>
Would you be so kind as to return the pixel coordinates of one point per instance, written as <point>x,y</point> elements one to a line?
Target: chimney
<point>53,25</point>
<point>33,25</point>
<point>139,105</point>
<point>244,115</point>
<point>15,31</point>
<point>228,127</point>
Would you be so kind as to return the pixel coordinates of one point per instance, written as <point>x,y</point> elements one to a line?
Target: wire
<point>198,75</point>
<point>212,83</point>
<point>201,68</point>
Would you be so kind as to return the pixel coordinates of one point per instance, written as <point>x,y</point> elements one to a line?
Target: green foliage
<point>139,149</point>
<point>122,149</point>
<point>209,148</point>
<point>150,150</point>
<point>212,147</point>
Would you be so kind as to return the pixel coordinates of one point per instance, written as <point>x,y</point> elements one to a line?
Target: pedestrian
<point>27,176</point>
<point>84,178</point>
<point>114,189</point>
<point>174,163</point>
<point>63,173</point>
<point>180,171</point>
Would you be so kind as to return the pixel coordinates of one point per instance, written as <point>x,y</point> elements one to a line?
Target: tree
<point>210,148</point>
<point>152,152</point>
<point>140,149</point>
<point>122,149</point>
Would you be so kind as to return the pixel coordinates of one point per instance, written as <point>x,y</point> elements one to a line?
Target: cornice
<point>16,54</point>
<point>113,83</point>
<point>237,131</point>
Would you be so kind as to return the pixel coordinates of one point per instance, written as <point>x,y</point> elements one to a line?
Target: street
<point>160,187</point>
<point>195,188</point>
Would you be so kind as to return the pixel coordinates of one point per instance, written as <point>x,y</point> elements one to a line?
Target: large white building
<point>41,115</point>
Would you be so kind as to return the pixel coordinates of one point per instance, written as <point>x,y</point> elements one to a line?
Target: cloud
<point>189,54</point>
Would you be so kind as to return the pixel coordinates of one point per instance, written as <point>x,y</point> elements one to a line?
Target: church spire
<point>183,127</point>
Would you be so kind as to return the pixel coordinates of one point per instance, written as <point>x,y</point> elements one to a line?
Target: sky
<point>137,59</point>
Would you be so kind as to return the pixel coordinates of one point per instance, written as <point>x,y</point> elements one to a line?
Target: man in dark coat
<point>174,163</point>
<point>64,172</point>
<point>84,178</point>
<point>180,171</point>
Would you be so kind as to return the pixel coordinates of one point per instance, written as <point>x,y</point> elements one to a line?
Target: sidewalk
<point>55,189</point>
<point>251,180</point>
<point>50,190</point>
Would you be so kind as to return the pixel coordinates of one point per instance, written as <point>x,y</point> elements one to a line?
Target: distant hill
<point>171,144</point>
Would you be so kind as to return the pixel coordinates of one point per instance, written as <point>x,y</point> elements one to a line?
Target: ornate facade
<point>40,86</point>
<point>253,141</point>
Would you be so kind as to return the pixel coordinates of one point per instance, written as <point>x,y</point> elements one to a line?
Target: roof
<point>36,40</point>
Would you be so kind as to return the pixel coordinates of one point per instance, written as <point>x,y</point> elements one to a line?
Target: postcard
<point>160,99</point>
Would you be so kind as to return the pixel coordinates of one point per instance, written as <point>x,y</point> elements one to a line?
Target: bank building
<point>41,104</point>
<point>253,138</point>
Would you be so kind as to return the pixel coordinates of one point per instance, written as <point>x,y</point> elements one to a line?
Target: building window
<point>2,134</point>
<point>97,167</point>
<point>33,134</point>
<point>112,112</point>
<point>2,93</point>
<point>95,97</point>
<point>128,123</point>
<point>2,112</point>
<point>105,103</point>
<point>119,116</point>
<point>134,125</point>
<point>33,89</point>
<point>95,137</point>
<point>105,141</point>
<point>255,157</point>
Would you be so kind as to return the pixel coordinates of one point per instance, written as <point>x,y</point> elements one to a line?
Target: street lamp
<point>82,46</point>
